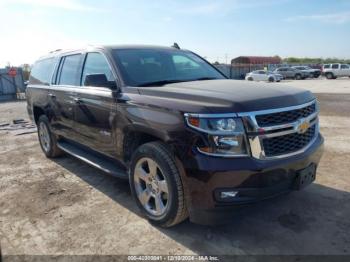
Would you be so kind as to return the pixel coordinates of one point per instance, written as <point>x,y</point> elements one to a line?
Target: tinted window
<point>41,72</point>
<point>344,67</point>
<point>70,68</point>
<point>142,66</point>
<point>96,64</point>
<point>336,66</point>
<point>326,66</point>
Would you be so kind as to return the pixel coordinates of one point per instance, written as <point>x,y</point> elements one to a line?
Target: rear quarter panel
<point>37,97</point>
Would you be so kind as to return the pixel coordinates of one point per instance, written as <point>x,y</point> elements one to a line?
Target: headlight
<point>225,136</point>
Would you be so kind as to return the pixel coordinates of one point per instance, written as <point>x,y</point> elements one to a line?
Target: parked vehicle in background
<point>190,141</point>
<point>289,72</point>
<point>262,75</point>
<point>332,71</point>
<point>311,71</point>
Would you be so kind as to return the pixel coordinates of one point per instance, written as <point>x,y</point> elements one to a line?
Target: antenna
<point>175,45</point>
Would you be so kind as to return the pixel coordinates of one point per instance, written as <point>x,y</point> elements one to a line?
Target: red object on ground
<point>12,72</point>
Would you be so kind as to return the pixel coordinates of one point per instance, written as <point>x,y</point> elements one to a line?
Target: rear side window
<point>335,66</point>
<point>70,69</point>
<point>344,67</point>
<point>95,63</point>
<point>41,72</point>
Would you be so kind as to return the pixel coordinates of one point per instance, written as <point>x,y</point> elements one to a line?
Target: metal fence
<point>238,71</point>
<point>10,86</point>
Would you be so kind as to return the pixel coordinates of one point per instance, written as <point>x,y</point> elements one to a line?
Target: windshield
<point>145,67</point>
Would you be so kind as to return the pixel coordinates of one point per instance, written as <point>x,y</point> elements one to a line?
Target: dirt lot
<point>66,207</point>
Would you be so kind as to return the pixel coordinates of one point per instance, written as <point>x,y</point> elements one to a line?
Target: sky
<point>217,30</point>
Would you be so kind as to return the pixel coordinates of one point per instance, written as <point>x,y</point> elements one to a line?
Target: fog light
<point>228,194</point>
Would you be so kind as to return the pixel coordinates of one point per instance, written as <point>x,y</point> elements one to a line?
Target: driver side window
<point>96,64</point>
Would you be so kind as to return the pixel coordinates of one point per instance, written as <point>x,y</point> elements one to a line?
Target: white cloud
<point>224,6</point>
<point>22,47</point>
<point>203,9</point>
<point>63,4</point>
<point>334,18</point>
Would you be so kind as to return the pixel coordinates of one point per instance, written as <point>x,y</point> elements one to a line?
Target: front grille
<point>281,145</point>
<point>285,117</point>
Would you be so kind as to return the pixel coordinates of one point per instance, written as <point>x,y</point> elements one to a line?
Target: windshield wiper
<point>164,82</point>
<point>161,83</point>
<point>205,78</point>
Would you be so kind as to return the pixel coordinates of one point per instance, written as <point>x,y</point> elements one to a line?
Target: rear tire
<point>48,140</point>
<point>156,185</point>
<point>329,76</point>
<point>297,77</point>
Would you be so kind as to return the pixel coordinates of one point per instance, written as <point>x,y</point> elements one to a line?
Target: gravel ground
<point>322,85</point>
<point>64,206</point>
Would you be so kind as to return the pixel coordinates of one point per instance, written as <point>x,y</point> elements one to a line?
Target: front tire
<point>156,185</point>
<point>48,140</point>
<point>250,79</point>
<point>271,79</point>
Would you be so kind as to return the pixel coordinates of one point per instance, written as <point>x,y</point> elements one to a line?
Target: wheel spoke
<point>141,173</point>
<point>159,204</point>
<point>144,197</point>
<point>163,187</point>
<point>152,167</point>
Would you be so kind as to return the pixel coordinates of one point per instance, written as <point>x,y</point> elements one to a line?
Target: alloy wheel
<point>44,136</point>
<point>151,186</point>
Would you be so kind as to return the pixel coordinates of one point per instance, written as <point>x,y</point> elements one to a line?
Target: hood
<point>224,96</point>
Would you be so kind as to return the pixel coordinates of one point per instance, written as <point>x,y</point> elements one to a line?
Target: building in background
<point>11,83</point>
<point>242,65</point>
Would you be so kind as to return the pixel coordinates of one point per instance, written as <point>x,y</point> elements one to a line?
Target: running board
<point>103,163</point>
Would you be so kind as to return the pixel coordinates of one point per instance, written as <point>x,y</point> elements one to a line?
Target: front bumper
<point>253,179</point>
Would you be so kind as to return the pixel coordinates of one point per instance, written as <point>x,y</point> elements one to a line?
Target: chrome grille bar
<point>256,134</point>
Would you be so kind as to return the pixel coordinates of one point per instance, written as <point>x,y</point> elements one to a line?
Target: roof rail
<point>55,51</point>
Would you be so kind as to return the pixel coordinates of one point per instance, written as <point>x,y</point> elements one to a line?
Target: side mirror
<point>99,80</point>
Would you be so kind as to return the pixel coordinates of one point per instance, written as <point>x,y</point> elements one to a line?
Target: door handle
<point>51,95</point>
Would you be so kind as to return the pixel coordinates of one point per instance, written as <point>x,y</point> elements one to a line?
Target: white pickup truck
<point>332,71</point>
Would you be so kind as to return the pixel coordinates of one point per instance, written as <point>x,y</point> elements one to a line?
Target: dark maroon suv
<point>190,142</point>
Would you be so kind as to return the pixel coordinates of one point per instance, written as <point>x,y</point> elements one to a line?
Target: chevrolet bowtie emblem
<point>303,126</point>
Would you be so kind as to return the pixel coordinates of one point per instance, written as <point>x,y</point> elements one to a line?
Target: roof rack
<point>54,51</point>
